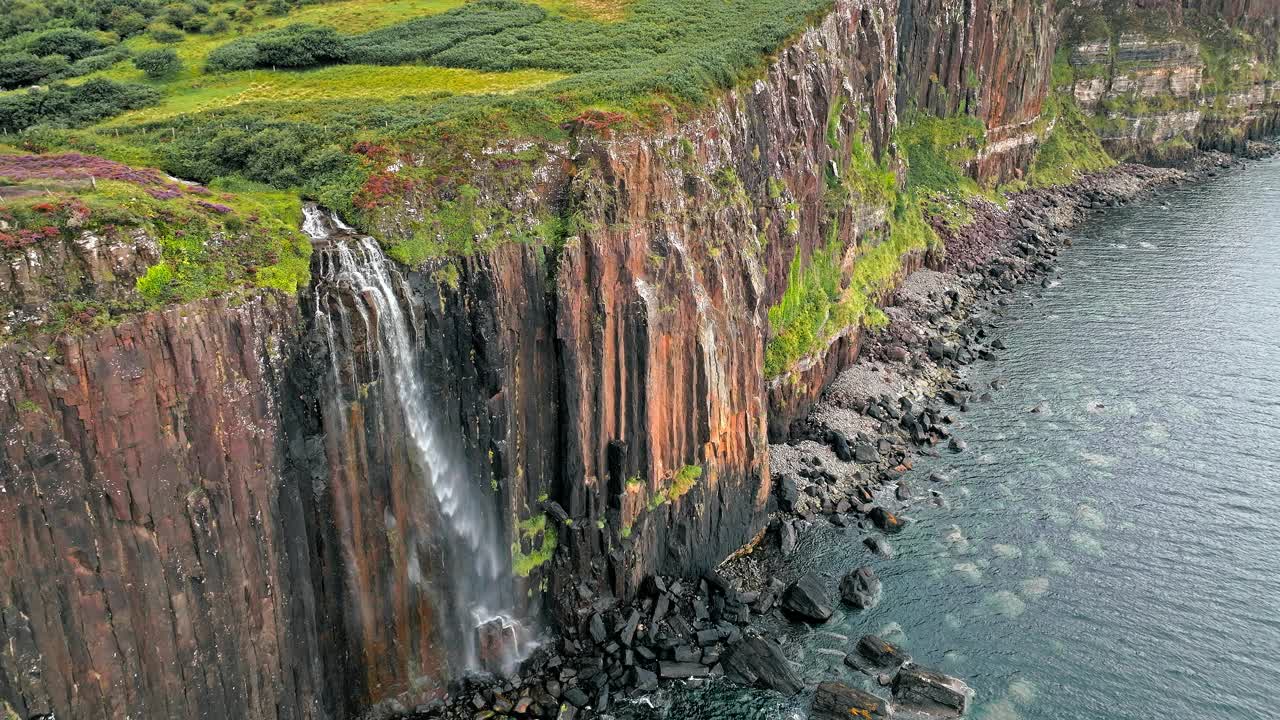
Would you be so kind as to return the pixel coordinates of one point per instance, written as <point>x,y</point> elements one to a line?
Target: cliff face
<point>1162,79</point>
<point>687,240</point>
<point>194,524</point>
<point>142,536</point>
<point>991,60</point>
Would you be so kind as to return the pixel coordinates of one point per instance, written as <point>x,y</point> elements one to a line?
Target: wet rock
<point>886,521</point>
<point>860,588</point>
<point>807,600</point>
<point>628,633</point>
<point>669,670</point>
<point>873,655</point>
<point>837,701</point>
<point>932,692</point>
<point>759,662</point>
<point>642,679</point>
<point>902,492</point>
<point>597,629</point>
<point>878,545</point>
<point>957,445</point>
<point>576,697</point>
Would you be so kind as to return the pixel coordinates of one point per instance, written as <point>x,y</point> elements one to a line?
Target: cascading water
<point>362,299</point>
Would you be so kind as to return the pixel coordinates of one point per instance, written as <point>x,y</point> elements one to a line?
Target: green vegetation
<point>1071,149</point>
<point>28,406</point>
<point>158,64</point>
<point>683,481</point>
<point>213,240</point>
<point>263,91</point>
<point>831,290</point>
<point>938,152</point>
<point>295,46</point>
<point>541,537</point>
<point>71,105</point>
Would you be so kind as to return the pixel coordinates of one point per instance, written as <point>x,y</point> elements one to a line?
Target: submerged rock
<point>878,545</point>
<point>860,588</point>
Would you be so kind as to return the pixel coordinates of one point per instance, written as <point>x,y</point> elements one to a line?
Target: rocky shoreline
<point>845,464</point>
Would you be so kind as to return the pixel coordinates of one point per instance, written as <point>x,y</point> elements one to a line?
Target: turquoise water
<point>1118,556</point>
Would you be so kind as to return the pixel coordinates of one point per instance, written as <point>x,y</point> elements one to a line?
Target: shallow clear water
<point>1118,556</point>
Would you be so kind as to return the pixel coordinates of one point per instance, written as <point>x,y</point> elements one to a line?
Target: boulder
<point>839,445</point>
<point>807,600</point>
<point>643,680</point>
<point>866,453</point>
<point>874,656</point>
<point>885,520</point>
<point>837,701</point>
<point>788,492</point>
<point>860,588</point>
<point>932,692</point>
<point>759,662</point>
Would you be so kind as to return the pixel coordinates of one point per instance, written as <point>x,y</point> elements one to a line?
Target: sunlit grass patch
<point>332,83</point>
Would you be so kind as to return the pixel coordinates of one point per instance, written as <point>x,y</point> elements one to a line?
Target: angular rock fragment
<point>837,701</point>
<point>807,600</point>
<point>932,692</point>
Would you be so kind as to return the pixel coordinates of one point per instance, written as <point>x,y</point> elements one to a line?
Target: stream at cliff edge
<point>1117,555</point>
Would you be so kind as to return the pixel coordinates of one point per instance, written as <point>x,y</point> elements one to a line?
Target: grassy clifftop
<point>281,99</point>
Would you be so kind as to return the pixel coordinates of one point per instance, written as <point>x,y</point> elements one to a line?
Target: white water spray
<point>355,267</point>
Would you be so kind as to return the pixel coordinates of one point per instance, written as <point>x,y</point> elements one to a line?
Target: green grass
<point>206,93</point>
<point>231,239</point>
<point>631,63</point>
<point>1071,149</point>
<point>819,302</point>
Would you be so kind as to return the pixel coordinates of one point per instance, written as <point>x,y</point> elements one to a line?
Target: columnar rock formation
<point>187,529</point>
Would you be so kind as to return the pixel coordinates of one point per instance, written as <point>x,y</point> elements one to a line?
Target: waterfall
<point>360,293</point>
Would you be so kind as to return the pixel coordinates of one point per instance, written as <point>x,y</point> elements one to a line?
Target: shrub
<point>72,43</point>
<point>420,39</point>
<point>95,63</point>
<point>166,34</point>
<point>216,26</point>
<point>158,64</point>
<point>71,106</point>
<point>294,46</point>
<point>22,69</point>
<point>126,22</point>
